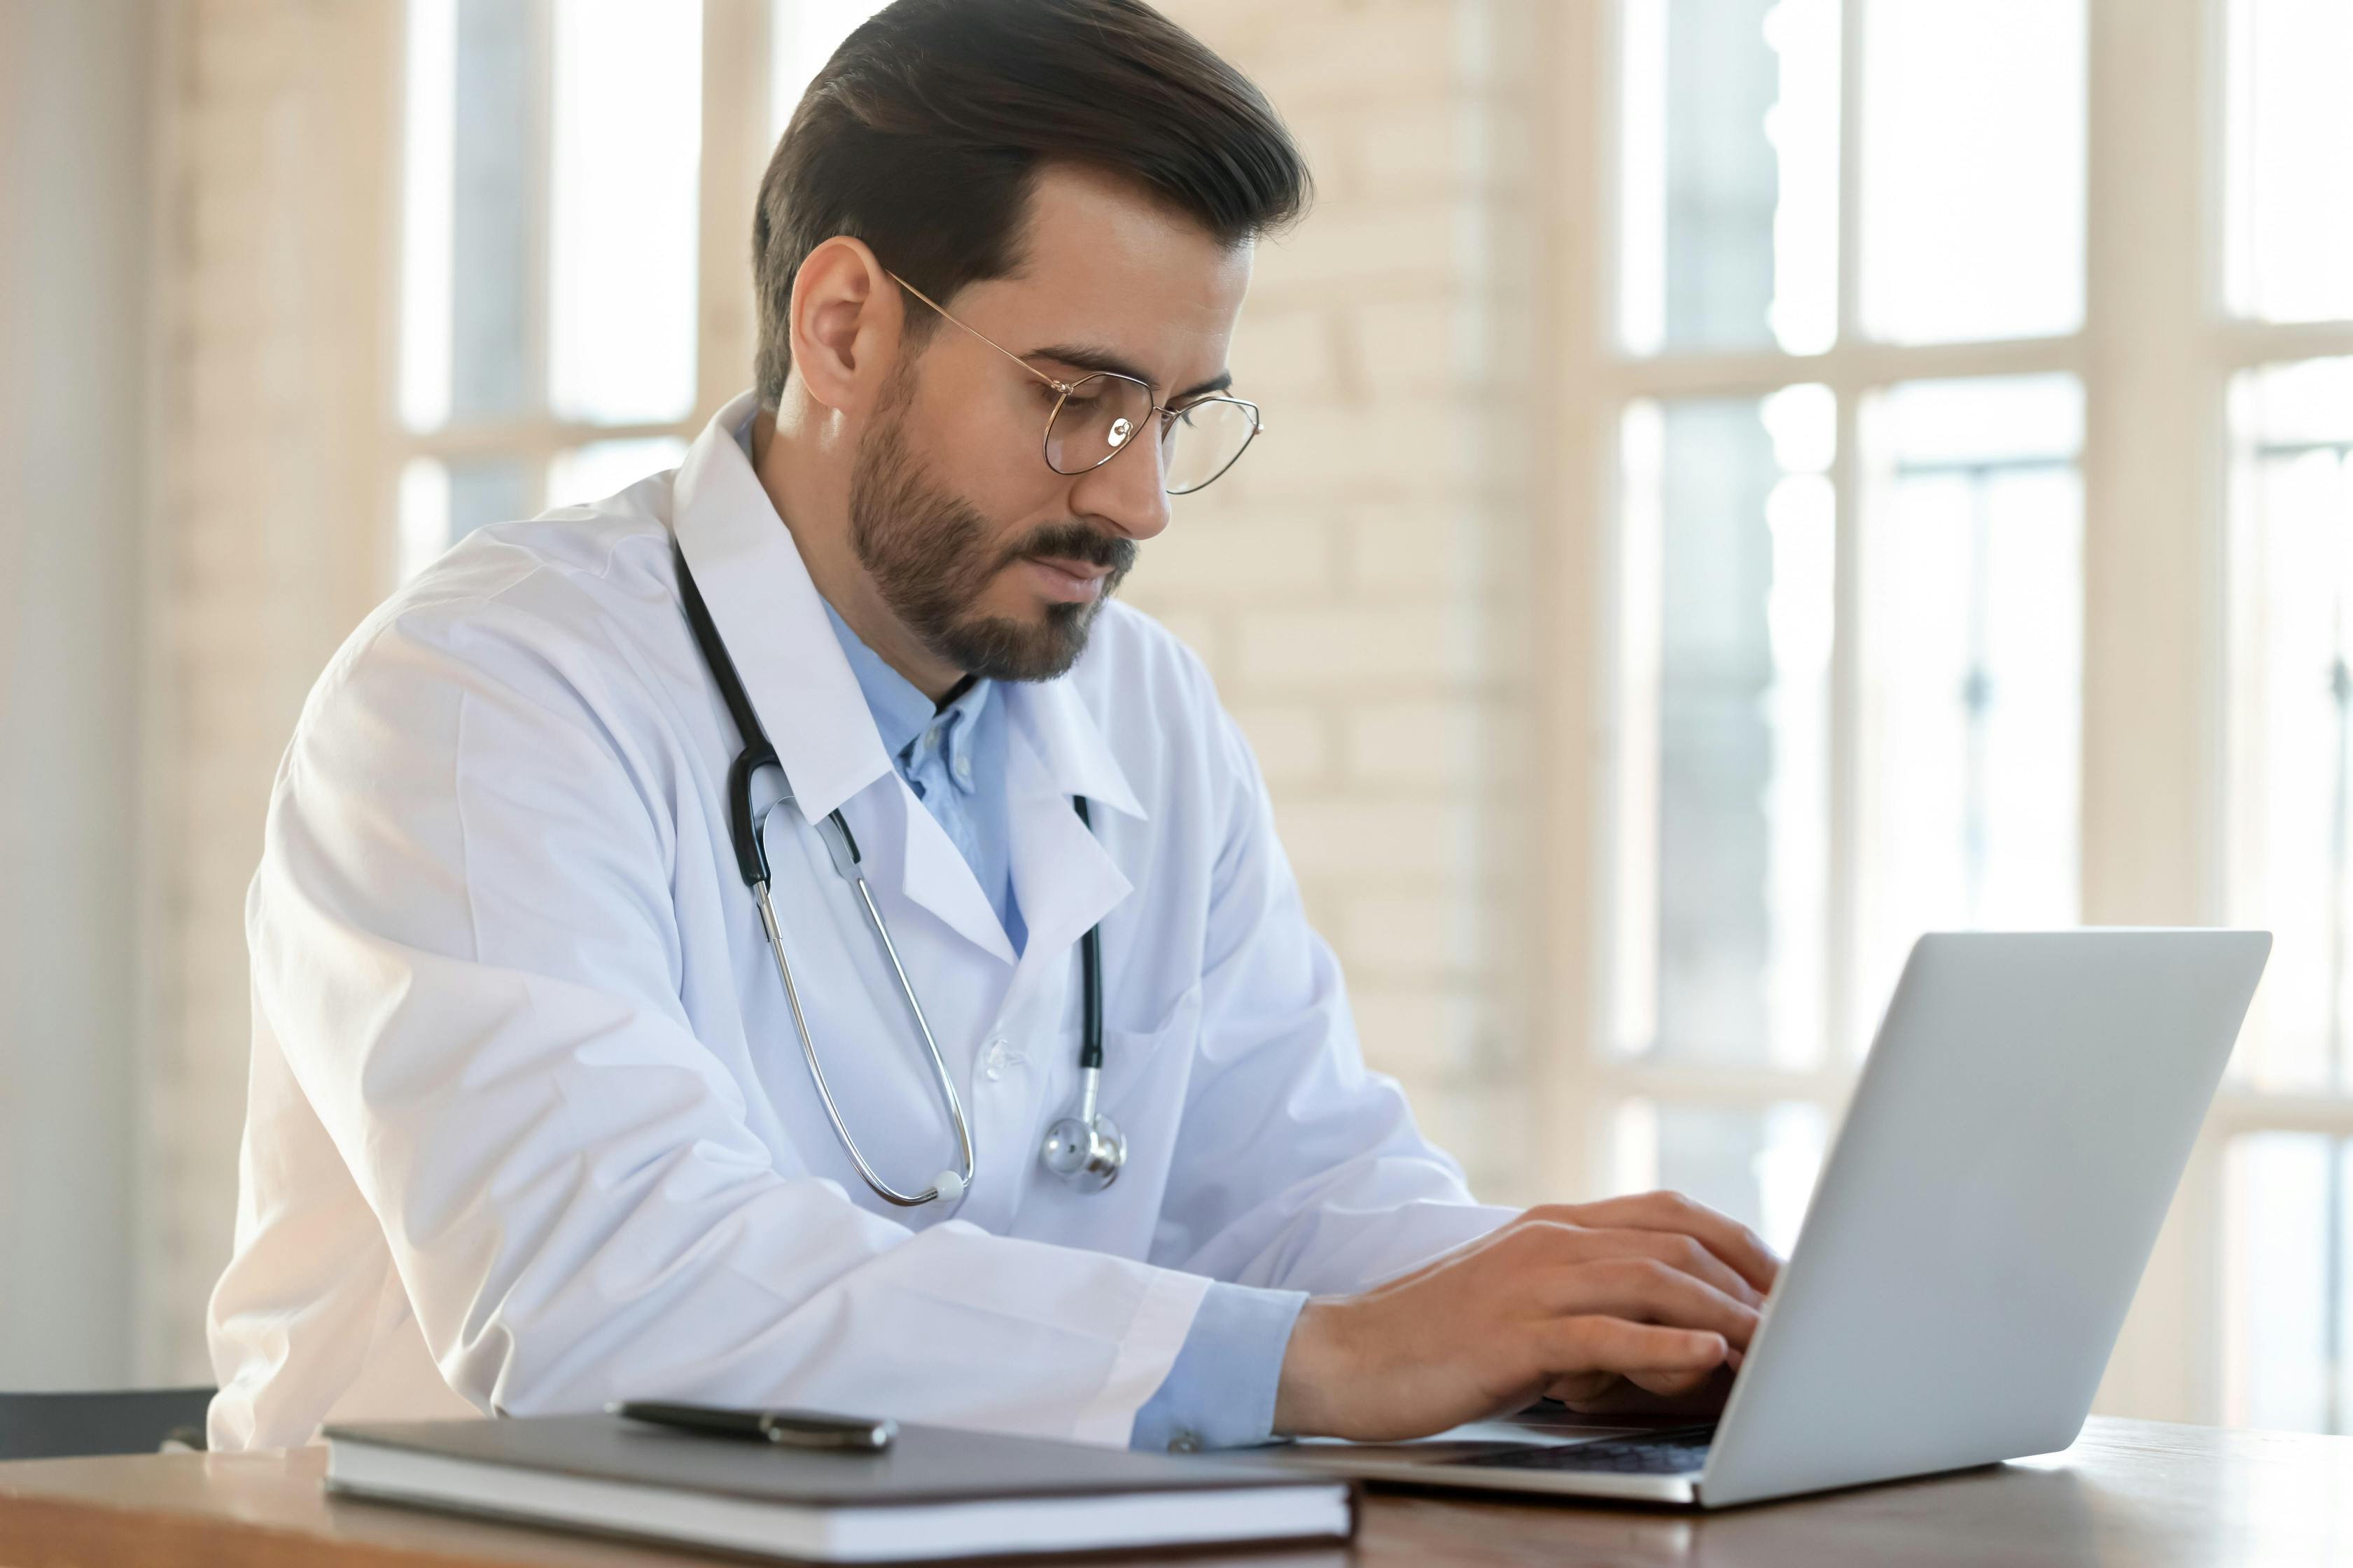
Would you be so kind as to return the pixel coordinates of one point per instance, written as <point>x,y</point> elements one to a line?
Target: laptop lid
<point>1985,1214</point>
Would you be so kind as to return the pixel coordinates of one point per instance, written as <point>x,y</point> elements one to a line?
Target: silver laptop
<point>1977,1235</point>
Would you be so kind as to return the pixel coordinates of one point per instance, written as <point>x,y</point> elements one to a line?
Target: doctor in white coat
<point>532,1125</point>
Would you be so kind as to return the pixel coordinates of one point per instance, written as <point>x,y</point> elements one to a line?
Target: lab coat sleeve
<point>463,931</point>
<point>1296,1167</point>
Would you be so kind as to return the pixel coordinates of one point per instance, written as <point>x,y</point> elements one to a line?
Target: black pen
<point>786,1428</point>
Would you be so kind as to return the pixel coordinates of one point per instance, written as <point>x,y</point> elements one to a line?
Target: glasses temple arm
<point>976,332</point>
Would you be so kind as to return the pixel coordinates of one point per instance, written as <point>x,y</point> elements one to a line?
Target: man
<point>534,1123</point>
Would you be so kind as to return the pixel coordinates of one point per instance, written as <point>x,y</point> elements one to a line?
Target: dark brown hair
<point>923,133</point>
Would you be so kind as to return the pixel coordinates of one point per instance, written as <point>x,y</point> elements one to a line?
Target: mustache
<point>1074,541</point>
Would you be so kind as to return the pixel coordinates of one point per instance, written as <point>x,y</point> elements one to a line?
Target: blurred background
<point>1746,481</point>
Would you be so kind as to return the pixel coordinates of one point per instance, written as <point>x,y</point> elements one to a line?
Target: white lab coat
<point>529,1126</point>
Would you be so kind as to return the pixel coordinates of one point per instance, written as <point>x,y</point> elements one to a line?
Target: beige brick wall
<point>1359,587</point>
<point>276,224</point>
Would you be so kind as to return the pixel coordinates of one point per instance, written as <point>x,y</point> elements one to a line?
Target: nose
<point>1131,491</point>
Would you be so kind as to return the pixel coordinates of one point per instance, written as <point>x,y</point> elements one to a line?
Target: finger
<point>1726,1237</point>
<point>1646,1394</point>
<point>1670,1384</point>
<point>1601,1344</point>
<point>1645,1290</point>
<point>1670,1248</point>
<point>1583,1388</point>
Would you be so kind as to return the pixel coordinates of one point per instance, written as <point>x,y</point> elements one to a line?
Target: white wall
<point>275,257</point>
<point>74,193</point>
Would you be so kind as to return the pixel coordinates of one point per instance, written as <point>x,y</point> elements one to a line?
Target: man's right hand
<point>1574,1302</point>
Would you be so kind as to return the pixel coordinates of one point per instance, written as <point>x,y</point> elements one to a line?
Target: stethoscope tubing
<point>882,1189</point>
<point>752,861</point>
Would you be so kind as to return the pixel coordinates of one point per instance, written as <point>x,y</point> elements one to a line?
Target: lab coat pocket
<point>1139,1061</point>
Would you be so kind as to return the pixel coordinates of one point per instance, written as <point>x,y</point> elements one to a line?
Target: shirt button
<point>1185,1441</point>
<point>992,1061</point>
<point>932,739</point>
<point>964,771</point>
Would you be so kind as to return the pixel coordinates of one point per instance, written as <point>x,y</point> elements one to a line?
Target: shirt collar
<point>960,724</point>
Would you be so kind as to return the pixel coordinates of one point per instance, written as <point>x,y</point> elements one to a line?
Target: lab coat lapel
<point>936,876</point>
<point>1065,878</point>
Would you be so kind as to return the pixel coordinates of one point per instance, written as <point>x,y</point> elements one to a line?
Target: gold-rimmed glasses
<point>1098,416</point>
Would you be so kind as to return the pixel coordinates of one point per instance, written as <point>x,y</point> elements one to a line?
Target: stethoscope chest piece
<point>1086,1149</point>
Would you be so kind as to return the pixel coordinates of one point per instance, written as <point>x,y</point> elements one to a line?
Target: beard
<point>931,556</point>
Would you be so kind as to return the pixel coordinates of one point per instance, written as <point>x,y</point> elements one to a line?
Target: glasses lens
<point>1204,439</point>
<point>1098,418</point>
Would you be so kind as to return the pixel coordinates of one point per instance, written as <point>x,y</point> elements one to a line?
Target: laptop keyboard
<point>1676,1453</point>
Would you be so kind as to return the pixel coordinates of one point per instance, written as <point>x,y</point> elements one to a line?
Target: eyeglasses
<point>1098,416</point>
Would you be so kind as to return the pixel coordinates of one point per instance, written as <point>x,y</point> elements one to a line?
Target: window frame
<point>735,144</point>
<point>2153,355</point>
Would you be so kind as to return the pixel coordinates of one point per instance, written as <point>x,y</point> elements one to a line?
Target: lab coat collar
<point>772,619</point>
<point>1070,745</point>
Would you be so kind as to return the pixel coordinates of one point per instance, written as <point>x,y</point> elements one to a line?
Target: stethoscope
<point>1086,1149</point>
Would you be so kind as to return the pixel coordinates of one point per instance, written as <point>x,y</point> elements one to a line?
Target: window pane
<point>1755,1164</point>
<point>2290,714</point>
<point>1972,660</point>
<point>1972,177</point>
<point>467,294</point>
<point>1724,658</point>
<point>440,503</point>
<point>602,468</point>
<point>2289,1242</point>
<point>1729,175</point>
<point>2288,248</point>
<point>803,35</point>
<point>626,148</point>
<point>484,490</point>
<point>424,514</point>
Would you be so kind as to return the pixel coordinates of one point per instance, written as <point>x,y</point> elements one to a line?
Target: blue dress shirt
<point>1220,1392</point>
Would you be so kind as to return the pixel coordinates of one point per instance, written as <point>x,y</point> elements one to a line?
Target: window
<point>1847,640</point>
<point>2287,246</point>
<point>554,186</point>
<point>1862,373</point>
<point>2287,1227</point>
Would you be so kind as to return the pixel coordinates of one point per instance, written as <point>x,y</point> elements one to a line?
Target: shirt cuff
<point>1219,1391</point>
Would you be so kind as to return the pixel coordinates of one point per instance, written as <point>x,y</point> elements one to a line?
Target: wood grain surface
<point>2129,1492</point>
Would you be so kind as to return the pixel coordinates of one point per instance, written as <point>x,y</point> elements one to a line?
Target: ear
<point>845,320</point>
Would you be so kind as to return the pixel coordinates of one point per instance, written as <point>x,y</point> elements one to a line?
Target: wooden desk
<point>2130,1492</point>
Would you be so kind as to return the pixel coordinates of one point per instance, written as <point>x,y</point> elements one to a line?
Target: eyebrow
<point>1085,358</point>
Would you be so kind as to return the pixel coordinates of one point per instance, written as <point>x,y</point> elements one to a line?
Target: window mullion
<point>1850,172</point>
<point>541,159</point>
<point>1851,368</point>
<point>2238,344</point>
<point>738,53</point>
<point>2152,632</point>
<point>1841,888</point>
